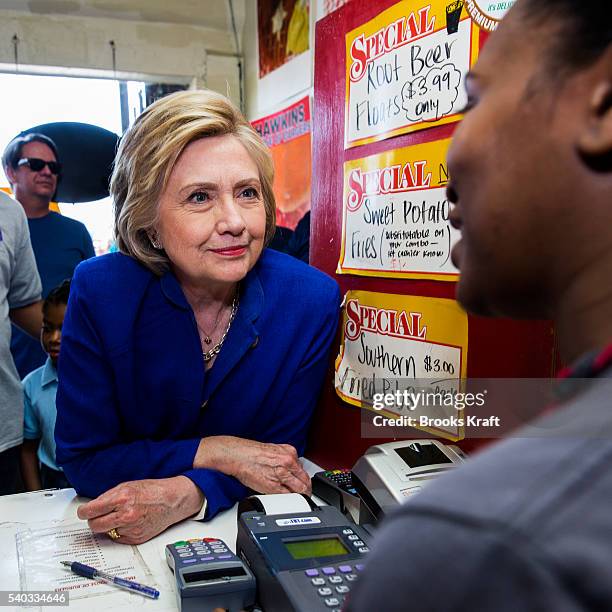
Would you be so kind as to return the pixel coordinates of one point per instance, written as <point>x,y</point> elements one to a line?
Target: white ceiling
<point>207,13</point>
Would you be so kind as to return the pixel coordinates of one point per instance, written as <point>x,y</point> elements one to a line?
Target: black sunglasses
<point>36,165</point>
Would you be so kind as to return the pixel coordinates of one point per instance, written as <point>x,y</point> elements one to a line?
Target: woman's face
<point>212,219</point>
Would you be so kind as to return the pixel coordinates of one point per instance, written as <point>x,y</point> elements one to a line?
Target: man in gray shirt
<point>527,524</point>
<point>20,303</point>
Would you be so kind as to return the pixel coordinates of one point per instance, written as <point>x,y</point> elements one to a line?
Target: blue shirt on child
<point>39,390</point>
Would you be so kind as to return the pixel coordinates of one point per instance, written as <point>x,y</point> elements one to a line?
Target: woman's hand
<point>266,468</point>
<point>141,509</point>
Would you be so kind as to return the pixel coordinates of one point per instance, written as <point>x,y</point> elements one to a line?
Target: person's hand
<point>265,468</point>
<point>141,509</point>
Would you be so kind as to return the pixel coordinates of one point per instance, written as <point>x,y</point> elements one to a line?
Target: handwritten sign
<point>392,343</point>
<point>405,69</point>
<point>396,215</point>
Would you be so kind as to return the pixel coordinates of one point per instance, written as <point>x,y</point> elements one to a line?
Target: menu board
<point>394,337</point>
<point>405,69</point>
<point>396,215</point>
<point>394,343</point>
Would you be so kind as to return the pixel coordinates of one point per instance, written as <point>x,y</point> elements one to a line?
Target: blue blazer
<point>134,399</point>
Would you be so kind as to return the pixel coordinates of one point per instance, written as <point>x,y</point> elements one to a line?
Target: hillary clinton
<point>192,359</point>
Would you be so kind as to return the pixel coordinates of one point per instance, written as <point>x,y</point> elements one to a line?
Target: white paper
<point>40,550</point>
<point>284,503</point>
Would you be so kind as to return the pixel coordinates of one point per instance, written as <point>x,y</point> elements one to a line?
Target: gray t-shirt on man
<point>19,286</point>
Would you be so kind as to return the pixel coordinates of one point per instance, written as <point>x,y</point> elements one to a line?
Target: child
<point>39,388</point>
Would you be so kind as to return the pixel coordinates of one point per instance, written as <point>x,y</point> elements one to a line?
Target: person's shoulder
<point>66,223</point>
<point>111,288</point>
<point>11,209</point>
<point>294,276</point>
<point>32,381</point>
<point>520,481</point>
<point>111,263</point>
<point>6,200</point>
<point>111,272</point>
<point>491,485</point>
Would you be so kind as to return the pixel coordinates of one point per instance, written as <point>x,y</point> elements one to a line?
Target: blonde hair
<point>148,152</point>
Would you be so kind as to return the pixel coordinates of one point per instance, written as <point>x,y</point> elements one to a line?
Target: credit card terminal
<point>389,474</point>
<point>339,480</point>
<point>209,575</point>
<point>337,488</point>
<point>303,561</point>
<point>384,477</point>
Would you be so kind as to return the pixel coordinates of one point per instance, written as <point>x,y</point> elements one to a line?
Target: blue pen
<point>90,572</point>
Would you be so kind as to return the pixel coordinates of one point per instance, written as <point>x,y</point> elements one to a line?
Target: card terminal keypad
<point>332,583</point>
<point>201,550</point>
<point>343,479</point>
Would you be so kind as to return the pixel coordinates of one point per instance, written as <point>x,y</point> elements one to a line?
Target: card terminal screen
<point>419,455</point>
<point>316,548</point>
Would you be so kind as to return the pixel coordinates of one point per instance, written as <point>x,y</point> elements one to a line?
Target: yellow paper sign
<point>405,69</point>
<point>403,344</point>
<point>395,218</point>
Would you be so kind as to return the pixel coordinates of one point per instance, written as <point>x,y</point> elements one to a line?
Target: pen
<point>91,572</point>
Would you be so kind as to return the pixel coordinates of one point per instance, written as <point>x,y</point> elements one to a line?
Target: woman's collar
<point>251,294</point>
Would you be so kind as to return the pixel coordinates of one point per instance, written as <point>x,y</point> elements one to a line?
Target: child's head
<point>54,309</point>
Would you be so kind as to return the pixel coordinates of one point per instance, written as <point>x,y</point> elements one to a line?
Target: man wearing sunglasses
<point>33,169</point>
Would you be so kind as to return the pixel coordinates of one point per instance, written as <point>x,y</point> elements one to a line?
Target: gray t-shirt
<point>525,525</point>
<point>19,286</point>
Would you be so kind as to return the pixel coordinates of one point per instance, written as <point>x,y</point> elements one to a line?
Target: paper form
<point>40,550</point>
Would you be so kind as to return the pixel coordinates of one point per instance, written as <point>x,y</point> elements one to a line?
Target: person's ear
<point>595,142</point>
<point>10,174</point>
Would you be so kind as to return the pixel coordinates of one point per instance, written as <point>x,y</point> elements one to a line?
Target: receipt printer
<point>304,561</point>
<point>390,473</point>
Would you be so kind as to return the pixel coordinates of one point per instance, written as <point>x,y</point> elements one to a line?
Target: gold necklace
<point>203,335</point>
<point>208,355</point>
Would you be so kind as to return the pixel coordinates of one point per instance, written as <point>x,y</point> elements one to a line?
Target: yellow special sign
<point>405,69</point>
<point>395,217</point>
<point>394,345</point>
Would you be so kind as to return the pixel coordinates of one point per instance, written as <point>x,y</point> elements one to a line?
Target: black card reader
<point>208,575</point>
<point>303,561</point>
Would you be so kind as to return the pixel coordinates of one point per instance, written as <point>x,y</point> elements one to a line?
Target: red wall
<point>497,348</point>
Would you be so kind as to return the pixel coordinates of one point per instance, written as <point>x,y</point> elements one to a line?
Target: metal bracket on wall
<point>16,42</point>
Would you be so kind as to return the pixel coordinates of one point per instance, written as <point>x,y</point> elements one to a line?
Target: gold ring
<point>113,534</point>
